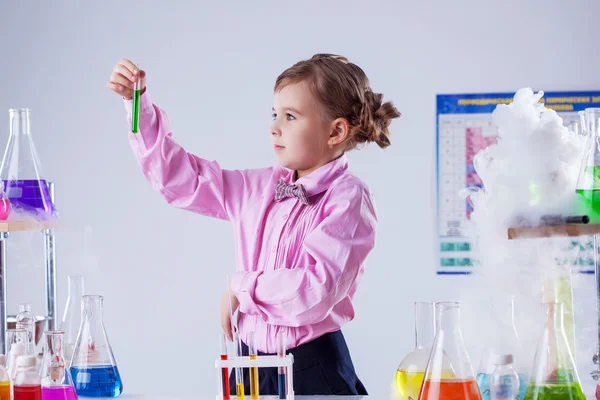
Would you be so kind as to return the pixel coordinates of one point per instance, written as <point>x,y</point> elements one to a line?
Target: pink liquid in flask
<point>4,209</point>
<point>59,393</point>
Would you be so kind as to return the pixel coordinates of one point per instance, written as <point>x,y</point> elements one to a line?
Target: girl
<point>302,229</point>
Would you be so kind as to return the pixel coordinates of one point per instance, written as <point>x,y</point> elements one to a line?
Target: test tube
<point>253,370</point>
<point>224,371</point>
<point>281,371</point>
<point>135,102</point>
<point>239,376</point>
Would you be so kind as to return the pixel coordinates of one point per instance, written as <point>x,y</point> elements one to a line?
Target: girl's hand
<point>225,317</point>
<point>123,76</point>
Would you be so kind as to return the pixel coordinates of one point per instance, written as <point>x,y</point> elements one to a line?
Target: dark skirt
<point>321,367</point>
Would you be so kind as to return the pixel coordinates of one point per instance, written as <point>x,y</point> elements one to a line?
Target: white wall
<point>212,67</point>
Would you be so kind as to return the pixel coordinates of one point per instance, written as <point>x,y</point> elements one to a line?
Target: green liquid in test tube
<point>137,92</point>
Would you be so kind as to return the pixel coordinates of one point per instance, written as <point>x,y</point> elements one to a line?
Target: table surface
<point>192,397</point>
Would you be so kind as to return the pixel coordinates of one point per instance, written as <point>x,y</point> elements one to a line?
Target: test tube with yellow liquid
<point>253,370</point>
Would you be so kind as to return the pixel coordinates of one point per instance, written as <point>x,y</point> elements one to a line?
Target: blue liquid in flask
<point>484,380</point>
<point>97,381</point>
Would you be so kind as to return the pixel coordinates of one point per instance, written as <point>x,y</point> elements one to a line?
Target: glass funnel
<point>410,372</point>
<point>71,320</point>
<point>588,182</point>
<point>554,375</point>
<point>505,341</point>
<point>56,379</point>
<point>23,181</point>
<point>448,346</point>
<point>93,365</point>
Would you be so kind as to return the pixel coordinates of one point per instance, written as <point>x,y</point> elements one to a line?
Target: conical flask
<point>71,320</point>
<point>93,365</point>
<point>56,379</point>
<point>411,371</point>
<point>588,182</point>
<point>505,341</point>
<point>554,375</point>
<point>25,186</point>
<point>448,345</point>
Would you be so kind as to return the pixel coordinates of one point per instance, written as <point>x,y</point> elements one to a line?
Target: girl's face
<point>300,134</point>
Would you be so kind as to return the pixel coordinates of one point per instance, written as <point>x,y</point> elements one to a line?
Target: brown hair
<point>342,88</point>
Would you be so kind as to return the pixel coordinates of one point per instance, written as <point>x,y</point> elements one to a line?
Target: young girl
<point>302,229</point>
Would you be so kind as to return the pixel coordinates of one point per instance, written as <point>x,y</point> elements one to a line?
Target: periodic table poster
<point>464,127</point>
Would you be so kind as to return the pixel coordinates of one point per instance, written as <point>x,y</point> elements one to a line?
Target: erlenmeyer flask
<point>56,379</point>
<point>588,182</point>
<point>16,344</point>
<point>93,365</point>
<point>23,182</point>
<point>554,375</point>
<point>449,345</point>
<point>505,341</point>
<point>411,371</point>
<point>71,320</point>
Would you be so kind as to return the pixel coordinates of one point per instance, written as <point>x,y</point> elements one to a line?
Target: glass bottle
<point>27,384</point>
<point>71,320</point>
<point>16,344</point>
<point>554,375</point>
<point>505,383</point>
<point>506,341</point>
<point>26,320</point>
<point>93,365</point>
<point>448,344</point>
<point>56,378</point>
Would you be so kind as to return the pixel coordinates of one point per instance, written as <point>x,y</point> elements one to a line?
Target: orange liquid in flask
<point>450,389</point>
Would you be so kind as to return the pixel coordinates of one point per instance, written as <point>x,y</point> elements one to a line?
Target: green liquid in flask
<point>135,117</point>
<point>588,200</point>
<point>554,391</point>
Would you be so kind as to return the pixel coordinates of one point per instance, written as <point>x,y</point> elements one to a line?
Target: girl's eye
<point>274,116</point>
<point>290,117</point>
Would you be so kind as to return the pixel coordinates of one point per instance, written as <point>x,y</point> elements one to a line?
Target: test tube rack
<point>260,362</point>
<point>572,230</point>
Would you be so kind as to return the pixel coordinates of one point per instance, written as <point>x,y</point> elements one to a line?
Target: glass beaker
<point>26,320</point>
<point>71,320</point>
<point>506,341</point>
<point>93,365</point>
<point>410,372</point>
<point>16,345</point>
<point>448,345</point>
<point>554,375</point>
<point>56,379</point>
<point>20,172</point>
<point>588,182</point>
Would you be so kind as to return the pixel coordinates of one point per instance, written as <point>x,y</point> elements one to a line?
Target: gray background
<point>212,66</point>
